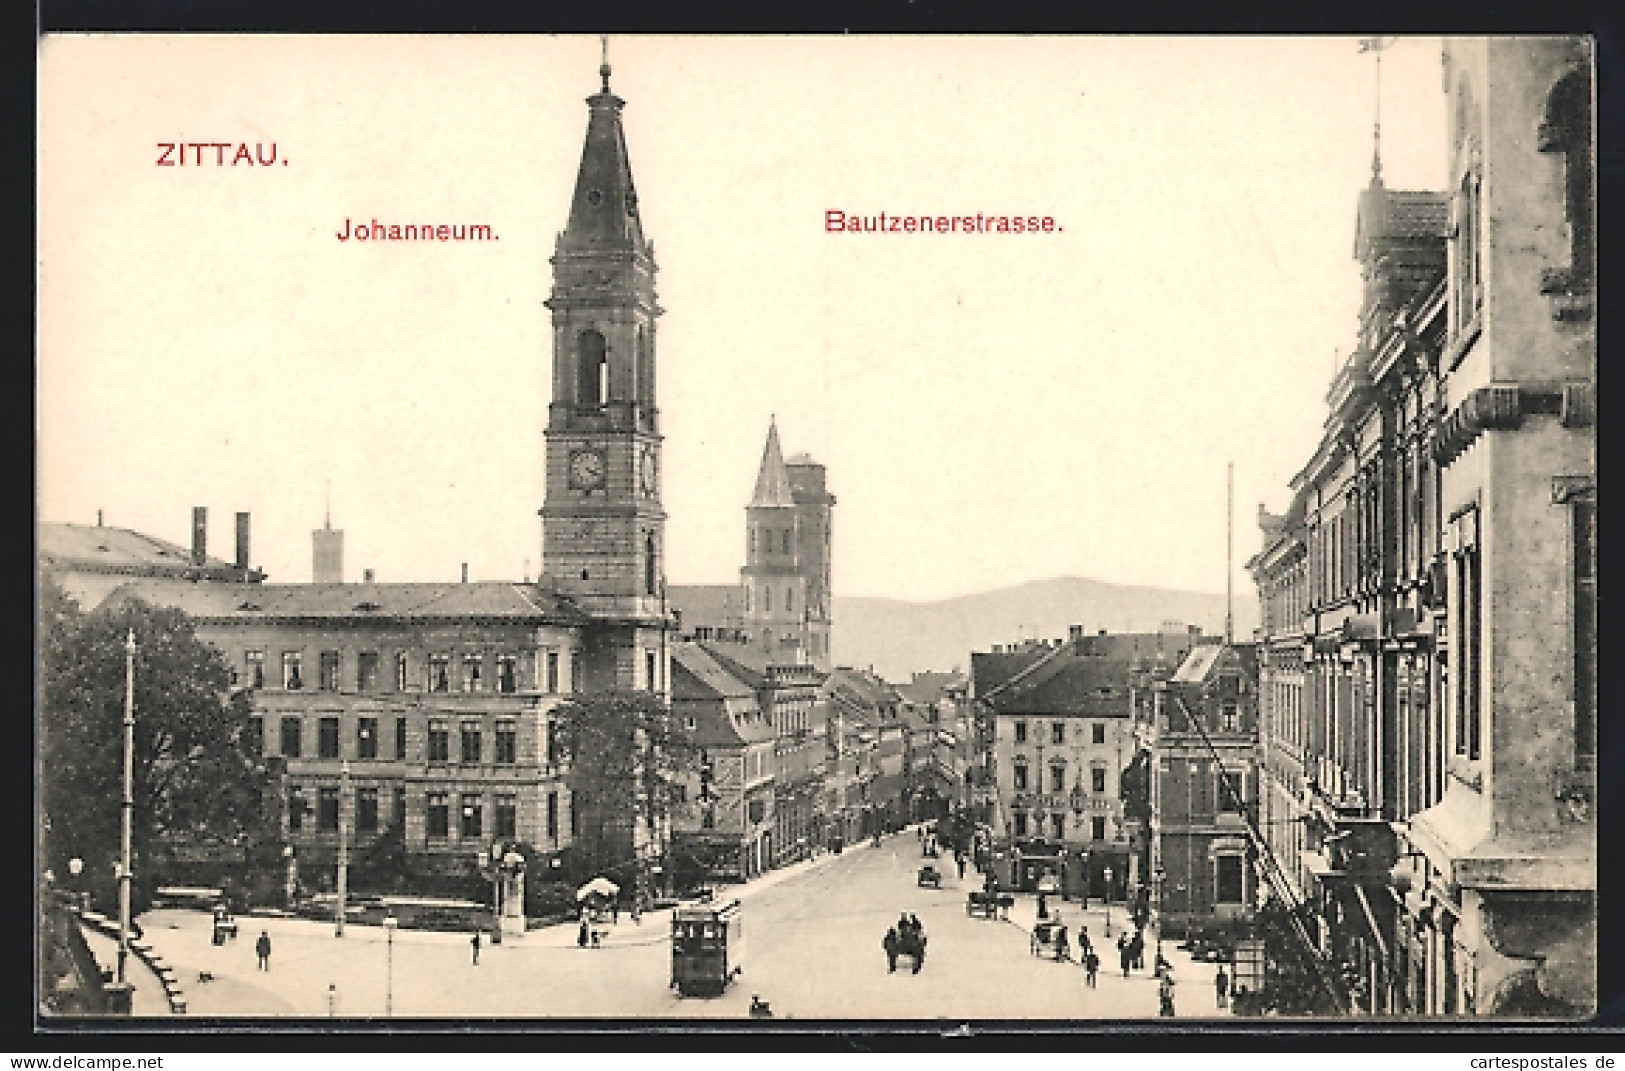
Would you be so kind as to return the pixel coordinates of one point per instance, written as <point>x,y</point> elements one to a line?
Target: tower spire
<point>1375,45</point>
<point>772,479</point>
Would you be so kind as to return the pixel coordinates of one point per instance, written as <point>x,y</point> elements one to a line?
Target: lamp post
<point>389,963</point>
<point>1108,875</point>
<point>127,806</point>
<point>344,851</point>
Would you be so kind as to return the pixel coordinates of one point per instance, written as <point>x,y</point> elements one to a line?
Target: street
<point>812,937</point>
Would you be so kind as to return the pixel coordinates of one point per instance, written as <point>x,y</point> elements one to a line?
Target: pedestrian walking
<point>1221,987</point>
<point>474,943</point>
<point>262,949</point>
<point>891,943</point>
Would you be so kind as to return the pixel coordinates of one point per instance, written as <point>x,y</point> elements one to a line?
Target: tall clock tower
<point>603,527</point>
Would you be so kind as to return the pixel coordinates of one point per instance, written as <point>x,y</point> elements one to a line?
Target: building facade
<point>1203,790</point>
<point>1428,673</point>
<point>1060,721</point>
<point>421,712</point>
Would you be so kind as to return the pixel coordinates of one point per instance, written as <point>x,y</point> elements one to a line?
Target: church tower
<point>785,580</point>
<point>603,527</point>
<point>774,589</point>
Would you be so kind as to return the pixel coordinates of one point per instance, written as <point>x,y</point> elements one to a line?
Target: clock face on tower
<point>586,469</point>
<point>646,471</point>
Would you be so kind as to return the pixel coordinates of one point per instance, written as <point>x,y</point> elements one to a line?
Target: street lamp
<point>76,866</point>
<point>127,806</point>
<point>389,963</point>
<point>344,851</point>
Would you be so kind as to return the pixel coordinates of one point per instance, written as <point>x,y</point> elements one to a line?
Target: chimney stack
<point>200,534</point>
<point>242,542</point>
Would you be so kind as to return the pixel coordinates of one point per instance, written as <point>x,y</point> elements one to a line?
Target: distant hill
<point>900,638</point>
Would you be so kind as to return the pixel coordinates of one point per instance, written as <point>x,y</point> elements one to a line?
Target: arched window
<point>646,371</point>
<point>651,572</point>
<point>592,386</point>
<point>1467,223</point>
<point>1567,130</point>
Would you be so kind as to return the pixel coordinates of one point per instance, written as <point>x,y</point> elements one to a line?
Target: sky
<point>992,408</point>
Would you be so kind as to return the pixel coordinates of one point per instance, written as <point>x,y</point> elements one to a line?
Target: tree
<point>624,761</point>
<point>197,771</point>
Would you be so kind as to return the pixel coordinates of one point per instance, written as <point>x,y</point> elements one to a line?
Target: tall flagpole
<point>1229,548</point>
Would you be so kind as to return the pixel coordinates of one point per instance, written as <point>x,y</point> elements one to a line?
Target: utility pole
<point>127,806</point>
<point>344,850</point>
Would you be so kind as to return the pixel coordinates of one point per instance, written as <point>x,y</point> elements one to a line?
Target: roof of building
<point>604,213</point>
<point>233,602</point>
<point>772,481</point>
<point>92,546</point>
<point>1198,664</point>
<point>1399,214</point>
<point>707,605</point>
<point>699,677</point>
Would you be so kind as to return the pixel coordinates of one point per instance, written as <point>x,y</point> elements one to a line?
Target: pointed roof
<point>772,480</point>
<point>604,212</point>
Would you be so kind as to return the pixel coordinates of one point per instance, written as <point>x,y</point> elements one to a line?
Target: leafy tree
<point>624,761</point>
<point>197,771</point>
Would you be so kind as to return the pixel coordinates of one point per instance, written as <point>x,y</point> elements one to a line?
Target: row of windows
<point>438,672</point>
<point>766,599</point>
<point>1032,825</point>
<point>504,749</point>
<point>1019,771</point>
<point>368,818</point>
<point>1057,732</point>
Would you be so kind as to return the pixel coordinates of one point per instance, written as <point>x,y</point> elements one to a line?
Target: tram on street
<point>707,947</point>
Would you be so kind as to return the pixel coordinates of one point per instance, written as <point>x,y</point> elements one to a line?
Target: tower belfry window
<point>592,388</point>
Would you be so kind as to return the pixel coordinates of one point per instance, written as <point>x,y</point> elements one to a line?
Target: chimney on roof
<point>242,542</point>
<point>366,576</point>
<point>200,534</point>
<point>465,572</point>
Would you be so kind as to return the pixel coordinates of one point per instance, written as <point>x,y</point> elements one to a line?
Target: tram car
<point>707,948</point>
